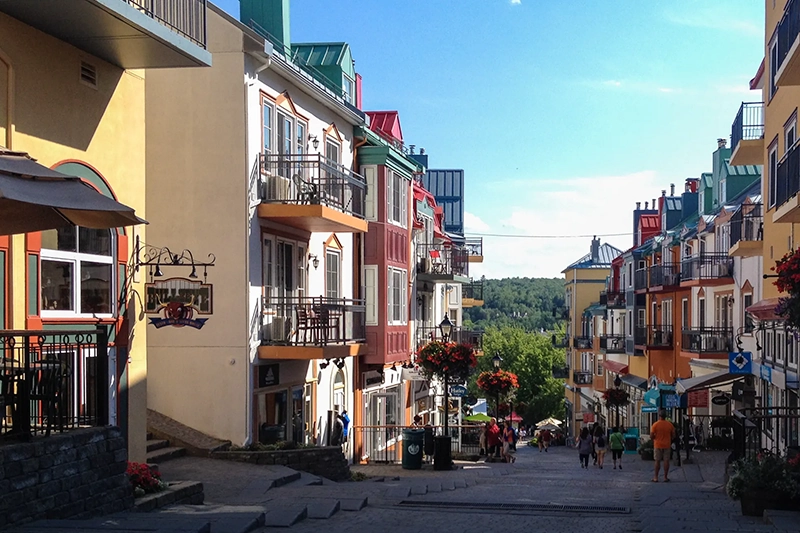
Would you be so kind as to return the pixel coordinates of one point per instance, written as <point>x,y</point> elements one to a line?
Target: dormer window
<point>348,87</point>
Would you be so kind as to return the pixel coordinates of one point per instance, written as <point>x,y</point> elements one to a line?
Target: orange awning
<point>613,366</point>
<point>765,309</point>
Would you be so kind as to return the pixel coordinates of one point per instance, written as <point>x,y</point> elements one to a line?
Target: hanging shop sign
<point>698,398</point>
<point>178,301</point>
<point>458,391</point>
<point>649,409</point>
<point>588,418</point>
<point>721,399</point>
<point>740,363</point>
<point>269,375</point>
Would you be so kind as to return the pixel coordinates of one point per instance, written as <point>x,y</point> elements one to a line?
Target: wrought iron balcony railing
<point>582,377</point>
<point>313,321</point>
<point>185,17</point>
<point>747,224</point>
<point>665,275</point>
<point>561,372</point>
<point>640,279</point>
<point>748,124</point>
<point>305,179</point>
<point>472,290</point>
<point>582,343</point>
<point>474,246</point>
<point>612,300</point>
<point>660,336</point>
<point>614,343</point>
<point>707,340</point>
<point>788,29</point>
<point>53,381</point>
<point>426,334</point>
<point>441,260</point>
<point>788,180</point>
<point>707,266</point>
<point>640,335</point>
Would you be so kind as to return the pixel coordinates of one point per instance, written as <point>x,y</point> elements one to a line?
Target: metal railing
<point>707,266</point>
<point>438,259</point>
<point>613,343</point>
<point>640,335</point>
<point>582,377</point>
<point>426,334</point>
<point>53,380</point>
<point>187,18</point>
<point>474,246</point>
<point>707,340</point>
<point>640,279</point>
<point>774,429</point>
<point>747,224</point>
<point>383,444</point>
<point>561,372</point>
<point>665,275</point>
<point>582,343</point>
<point>612,300</point>
<point>312,321</point>
<point>748,124</point>
<point>788,28</point>
<point>306,179</point>
<point>472,290</point>
<point>660,336</point>
<point>788,179</point>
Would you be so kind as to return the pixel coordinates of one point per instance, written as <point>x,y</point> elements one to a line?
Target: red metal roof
<point>613,366</point>
<point>756,81</point>
<point>765,309</point>
<point>386,123</point>
<point>649,226</point>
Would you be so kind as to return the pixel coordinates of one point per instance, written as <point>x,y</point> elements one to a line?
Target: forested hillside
<point>532,304</point>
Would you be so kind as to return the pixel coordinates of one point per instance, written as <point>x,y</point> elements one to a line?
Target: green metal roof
<point>326,55</point>
<point>595,310</point>
<point>743,170</point>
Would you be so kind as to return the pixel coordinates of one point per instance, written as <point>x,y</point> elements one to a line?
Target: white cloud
<point>473,223</point>
<point>714,19</point>
<point>516,2</point>
<point>577,206</point>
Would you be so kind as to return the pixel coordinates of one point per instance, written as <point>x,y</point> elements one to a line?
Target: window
<point>370,203</point>
<point>749,325</point>
<point>397,296</point>
<point>371,294</point>
<point>790,133</point>
<point>397,191</point>
<point>301,137</point>
<point>773,173</point>
<point>773,67</point>
<point>77,271</point>
<point>349,93</point>
<point>333,275</point>
<point>630,274</point>
<point>780,346</point>
<point>266,124</point>
<point>701,313</point>
<point>332,151</point>
<point>685,313</point>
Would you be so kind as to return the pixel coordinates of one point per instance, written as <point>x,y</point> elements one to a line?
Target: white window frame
<point>772,161</point>
<point>370,173</point>
<point>371,294</point>
<point>267,126</point>
<point>401,276</point>
<point>76,258</point>
<point>780,346</point>
<point>349,91</point>
<point>332,253</point>
<point>773,66</point>
<point>396,182</point>
<point>331,142</point>
<point>790,133</point>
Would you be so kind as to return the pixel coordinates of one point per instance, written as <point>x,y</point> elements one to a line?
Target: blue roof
<point>606,254</point>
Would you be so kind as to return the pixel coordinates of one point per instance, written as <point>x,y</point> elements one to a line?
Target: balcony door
<point>723,311</point>
<point>284,285</point>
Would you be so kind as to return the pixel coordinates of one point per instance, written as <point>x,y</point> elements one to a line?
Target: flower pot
<point>754,503</point>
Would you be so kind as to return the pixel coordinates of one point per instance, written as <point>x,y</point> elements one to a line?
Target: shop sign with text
<point>177,301</point>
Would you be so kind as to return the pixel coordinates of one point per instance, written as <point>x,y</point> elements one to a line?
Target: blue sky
<point>562,114</point>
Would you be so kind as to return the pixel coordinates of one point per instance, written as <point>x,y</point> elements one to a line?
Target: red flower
<point>497,382</point>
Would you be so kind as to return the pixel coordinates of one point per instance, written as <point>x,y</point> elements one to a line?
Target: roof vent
<point>88,74</point>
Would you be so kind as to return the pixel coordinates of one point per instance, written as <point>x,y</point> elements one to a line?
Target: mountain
<point>532,304</point>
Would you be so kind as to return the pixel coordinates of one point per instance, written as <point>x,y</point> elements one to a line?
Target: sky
<point>562,114</point>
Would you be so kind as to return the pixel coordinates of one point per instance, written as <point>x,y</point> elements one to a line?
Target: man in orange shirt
<point>662,434</point>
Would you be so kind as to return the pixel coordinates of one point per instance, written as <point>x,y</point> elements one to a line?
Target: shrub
<point>766,474</point>
<point>144,479</point>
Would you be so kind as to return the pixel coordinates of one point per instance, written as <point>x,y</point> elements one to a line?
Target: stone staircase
<point>159,450</point>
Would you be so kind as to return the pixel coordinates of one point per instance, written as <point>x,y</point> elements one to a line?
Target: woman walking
<point>584,446</point>
<point>617,442</point>
<point>600,445</point>
<point>508,443</point>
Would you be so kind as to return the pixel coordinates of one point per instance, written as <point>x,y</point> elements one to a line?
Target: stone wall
<point>328,461</point>
<point>77,474</point>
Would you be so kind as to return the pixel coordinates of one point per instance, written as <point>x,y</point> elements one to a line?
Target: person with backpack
<point>509,448</point>
<point>617,444</point>
<point>600,445</point>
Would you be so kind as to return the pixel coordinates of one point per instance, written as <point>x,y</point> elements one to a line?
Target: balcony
<point>309,328</point>
<point>612,343</point>
<point>561,372</point>
<point>706,269</point>
<point>639,336</point>
<point>439,263</point>
<point>787,201</point>
<point>472,294</point>
<point>582,343</point>
<point>127,33</point>
<point>788,73</point>
<point>426,334</point>
<point>747,231</point>
<point>311,193</point>
<point>708,343</point>
<point>747,135</point>
<point>612,300</point>
<point>659,336</point>
<point>664,277</point>
<point>582,378</point>
<point>474,246</point>
<point>640,279</point>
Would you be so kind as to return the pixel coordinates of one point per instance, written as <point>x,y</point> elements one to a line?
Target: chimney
<point>721,143</point>
<point>663,192</point>
<point>646,206</point>
<point>654,203</point>
<point>270,15</point>
<point>672,189</point>
<point>639,205</point>
<point>595,248</point>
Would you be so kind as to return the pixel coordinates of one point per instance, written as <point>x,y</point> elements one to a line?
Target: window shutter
<point>370,205</point>
<point>371,288</point>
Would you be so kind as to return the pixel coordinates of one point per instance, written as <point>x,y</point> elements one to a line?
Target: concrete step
<point>149,436</point>
<point>223,518</point>
<point>165,454</point>
<point>305,480</point>
<point>122,523</point>
<point>156,444</point>
<point>322,509</point>
<point>285,516</point>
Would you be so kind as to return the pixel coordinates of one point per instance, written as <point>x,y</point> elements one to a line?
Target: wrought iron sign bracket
<point>155,258</point>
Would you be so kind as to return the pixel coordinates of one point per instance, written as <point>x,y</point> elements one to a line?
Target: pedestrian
<point>546,438</point>
<point>584,445</point>
<point>592,432</point>
<point>508,443</point>
<point>540,440</point>
<point>600,445</point>
<point>482,440</point>
<point>662,434</point>
<point>493,438</point>
<point>617,444</point>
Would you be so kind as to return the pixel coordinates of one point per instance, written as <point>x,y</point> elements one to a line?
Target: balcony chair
<point>307,325</point>
<point>306,192</point>
<point>438,265</point>
<point>329,325</point>
<point>48,378</point>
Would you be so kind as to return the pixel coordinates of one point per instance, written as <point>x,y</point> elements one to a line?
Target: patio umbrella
<point>550,420</point>
<point>478,417</point>
<point>514,418</point>
<point>550,427</point>
<point>35,198</point>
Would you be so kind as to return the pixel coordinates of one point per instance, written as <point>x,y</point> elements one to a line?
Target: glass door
<point>299,415</point>
<point>382,435</point>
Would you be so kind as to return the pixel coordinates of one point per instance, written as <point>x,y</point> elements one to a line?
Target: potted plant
<point>646,450</point>
<point>764,482</point>
<point>497,382</point>
<point>787,281</point>
<point>450,361</point>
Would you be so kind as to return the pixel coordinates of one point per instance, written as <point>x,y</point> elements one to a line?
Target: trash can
<point>442,456</point>
<point>413,440</point>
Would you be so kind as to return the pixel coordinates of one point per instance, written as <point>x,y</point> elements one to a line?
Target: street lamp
<point>496,360</point>
<point>446,327</point>
<point>617,384</point>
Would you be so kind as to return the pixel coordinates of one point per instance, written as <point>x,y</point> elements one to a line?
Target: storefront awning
<point>651,397</point>
<point>705,382</point>
<point>634,381</point>
<point>613,366</point>
<point>765,309</point>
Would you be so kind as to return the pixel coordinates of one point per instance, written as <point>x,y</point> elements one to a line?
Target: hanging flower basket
<point>788,281</point>
<point>497,382</point>
<point>616,397</point>
<point>440,359</point>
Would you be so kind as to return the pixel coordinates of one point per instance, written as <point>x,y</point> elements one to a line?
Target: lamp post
<point>496,360</point>
<point>443,459</point>
<point>617,385</point>
<point>446,328</point>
